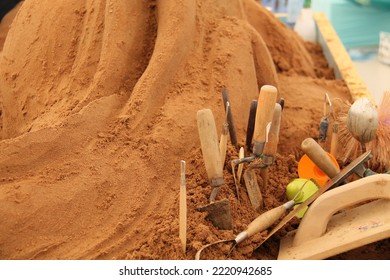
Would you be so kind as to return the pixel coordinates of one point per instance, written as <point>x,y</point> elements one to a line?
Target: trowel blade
<point>253,189</point>
<point>219,214</point>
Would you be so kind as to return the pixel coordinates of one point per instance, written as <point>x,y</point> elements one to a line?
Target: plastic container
<point>305,26</point>
<point>294,8</point>
<point>384,47</point>
<point>308,170</point>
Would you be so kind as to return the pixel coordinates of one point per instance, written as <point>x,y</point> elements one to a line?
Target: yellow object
<point>309,188</point>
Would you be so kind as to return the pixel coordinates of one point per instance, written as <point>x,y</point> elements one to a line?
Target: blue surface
<point>357,26</point>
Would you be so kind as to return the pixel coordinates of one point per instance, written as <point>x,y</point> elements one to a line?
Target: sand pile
<point>98,104</point>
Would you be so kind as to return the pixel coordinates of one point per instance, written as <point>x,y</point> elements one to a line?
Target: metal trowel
<point>264,113</point>
<point>218,211</point>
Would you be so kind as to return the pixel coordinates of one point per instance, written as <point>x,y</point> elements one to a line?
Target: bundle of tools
<point>263,131</point>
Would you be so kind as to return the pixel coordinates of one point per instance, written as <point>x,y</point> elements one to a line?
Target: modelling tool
<point>335,181</point>
<point>324,123</point>
<point>265,220</point>
<point>183,207</point>
<point>334,142</point>
<point>237,180</point>
<point>316,162</point>
<point>363,171</point>
<point>272,144</point>
<point>218,211</point>
<point>224,135</point>
<point>322,234</point>
<point>259,224</point>
<point>251,125</point>
<point>232,130</point>
<point>199,252</point>
<point>264,113</point>
<point>253,189</point>
<point>241,155</point>
<point>281,102</point>
<point>263,119</point>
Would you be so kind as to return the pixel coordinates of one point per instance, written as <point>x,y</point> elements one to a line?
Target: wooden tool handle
<point>316,219</point>
<point>264,113</point>
<point>241,155</point>
<point>265,220</point>
<point>251,125</point>
<point>232,129</point>
<point>210,147</point>
<point>223,144</point>
<point>335,181</point>
<point>320,158</point>
<point>183,207</point>
<point>273,135</point>
<point>335,139</point>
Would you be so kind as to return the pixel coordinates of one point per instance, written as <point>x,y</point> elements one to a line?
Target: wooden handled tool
<point>210,150</point>
<point>326,231</point>
<point>241,155</point>
<point>333,182</point>
<point>224,136</point>
<point>251,125</point>
<point>273,136</point>
<point>265,220</point>
<point>253,189</point>
<point>272,143</point>
<point>232,129</point>
<point>324,123</point>
<point>320,158</point>
<point>218,211</point>
<point>334,143</point>
<point>183,207</point>
<point>264,113</point>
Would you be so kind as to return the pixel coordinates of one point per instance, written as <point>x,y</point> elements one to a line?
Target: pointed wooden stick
<point>334,140</point>
<point>232,130</point>
<point>183,207</point>
<point>240,167</point>
<point>224,136</point>
<point>272,144</point>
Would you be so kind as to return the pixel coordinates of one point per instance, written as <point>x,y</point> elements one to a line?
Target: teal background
<point>356,25</point>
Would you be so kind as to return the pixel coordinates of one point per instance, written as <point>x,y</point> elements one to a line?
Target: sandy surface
<point>98,107</point>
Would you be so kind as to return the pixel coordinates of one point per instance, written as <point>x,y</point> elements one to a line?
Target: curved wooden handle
<point>209,144</point>
<point>273,135</point>
<point>316,219</point>
<point>264,113</point>
<point>265,220</point>
<point>320,158</point>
